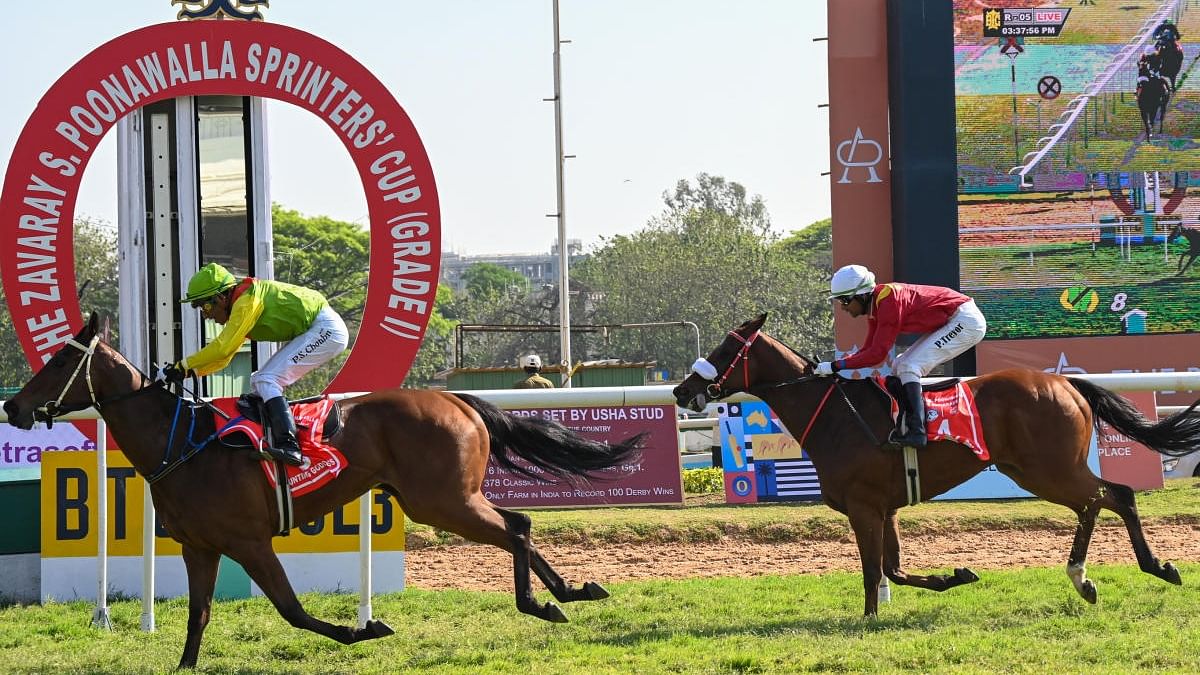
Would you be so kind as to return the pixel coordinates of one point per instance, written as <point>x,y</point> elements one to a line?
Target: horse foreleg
<point>891,564</point>
<point>1184,268</point>
<point>517,527</point>
<point>263,566</point>
<point>202,578</point>
<point>868,532</point>
<point>1120,500</point>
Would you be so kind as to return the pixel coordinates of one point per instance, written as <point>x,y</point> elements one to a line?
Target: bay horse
<point>427,449</point>
<point>1193,240</point>
<point>1037,427</point>
<point>1170,58</point>
<point>1153,95</point>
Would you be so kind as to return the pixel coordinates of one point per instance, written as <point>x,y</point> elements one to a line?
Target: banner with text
<point>656,478</point>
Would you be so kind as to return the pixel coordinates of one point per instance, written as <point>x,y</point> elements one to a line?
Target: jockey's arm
<point>217,354</point>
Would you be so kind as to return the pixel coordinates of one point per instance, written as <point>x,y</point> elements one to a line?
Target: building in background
<point>539,269</point>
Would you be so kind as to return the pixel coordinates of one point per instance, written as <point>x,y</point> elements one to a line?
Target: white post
<point>100,618</point>
<point>147,559</point>
<point>364,559</point>
<point>564,283</point>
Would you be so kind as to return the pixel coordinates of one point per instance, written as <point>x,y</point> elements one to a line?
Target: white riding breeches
<point>964,330</point>
<point>325,339</point>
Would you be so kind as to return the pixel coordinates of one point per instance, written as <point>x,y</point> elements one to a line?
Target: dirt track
<point>477,567</point>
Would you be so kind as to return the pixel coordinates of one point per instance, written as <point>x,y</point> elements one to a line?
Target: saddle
<point>250,406</point>
<point>950,412</point>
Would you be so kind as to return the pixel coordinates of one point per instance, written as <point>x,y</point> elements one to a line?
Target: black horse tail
<point>548,445</point>
<point>1175,436</point>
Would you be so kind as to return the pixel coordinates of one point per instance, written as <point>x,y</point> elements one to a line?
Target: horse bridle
<point>716,388</point>
<point>50,410</point>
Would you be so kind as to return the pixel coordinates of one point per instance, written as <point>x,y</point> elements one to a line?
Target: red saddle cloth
<point>950,414</point>
<point>323,462</point>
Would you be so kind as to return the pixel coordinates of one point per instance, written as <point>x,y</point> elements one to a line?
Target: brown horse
<point>1037,427</point>
<point>427,449</point>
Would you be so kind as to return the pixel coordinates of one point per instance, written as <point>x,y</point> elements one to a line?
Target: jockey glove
<point>824,368</point>
<point>174,373</point>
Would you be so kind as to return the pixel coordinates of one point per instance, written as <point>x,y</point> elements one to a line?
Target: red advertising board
<point>655,479</point>
<point>1123,459</point>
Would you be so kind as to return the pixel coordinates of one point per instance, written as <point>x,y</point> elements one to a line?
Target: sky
<point>653,91</point>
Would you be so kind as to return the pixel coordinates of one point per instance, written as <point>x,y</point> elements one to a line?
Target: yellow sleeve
<point>218,353</point>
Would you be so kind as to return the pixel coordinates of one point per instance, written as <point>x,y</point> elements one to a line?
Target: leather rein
<point>716,389</point>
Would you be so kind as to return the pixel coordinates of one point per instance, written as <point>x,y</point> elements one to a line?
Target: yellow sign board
<point>69,504</point>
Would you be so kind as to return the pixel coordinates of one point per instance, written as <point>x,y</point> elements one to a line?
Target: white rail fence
<point>518,398</point>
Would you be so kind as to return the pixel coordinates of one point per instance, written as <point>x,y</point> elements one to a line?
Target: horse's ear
<point>93,323</point>
<point>758,321</point>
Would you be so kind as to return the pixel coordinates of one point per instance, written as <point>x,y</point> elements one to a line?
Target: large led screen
<point>1078,142</point>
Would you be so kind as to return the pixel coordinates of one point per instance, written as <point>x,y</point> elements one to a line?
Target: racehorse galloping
<point>1193,240</point>
<point>1170,58</point>
<point>428,449</point>
<point>1153,94</point>
<point>1037,427</point>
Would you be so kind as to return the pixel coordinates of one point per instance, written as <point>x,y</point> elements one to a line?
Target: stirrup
<point>289,457</point>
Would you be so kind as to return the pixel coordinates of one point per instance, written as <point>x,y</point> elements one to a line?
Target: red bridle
<point>743,356</point>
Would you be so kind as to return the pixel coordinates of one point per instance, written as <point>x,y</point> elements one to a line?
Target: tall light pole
<point>564,285</point>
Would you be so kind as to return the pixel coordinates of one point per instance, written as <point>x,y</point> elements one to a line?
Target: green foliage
<point>328,255</point>
<point>436,350</point>
<point>703,481</point>
<point>95,249</point>
<point>489,282</point>
<point>710,259</point>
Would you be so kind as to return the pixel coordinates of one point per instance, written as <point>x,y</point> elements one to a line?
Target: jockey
<point>259,309</point>
<point>1166,31</point>
<point>950,322</point>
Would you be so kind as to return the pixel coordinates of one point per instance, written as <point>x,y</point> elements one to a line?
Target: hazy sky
<point>653,91</point>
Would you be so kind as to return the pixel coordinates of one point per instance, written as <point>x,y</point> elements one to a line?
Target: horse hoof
<point>597,592</point>
<point>1088,591</point>
<point>376,629</point>
<point>964,575</point>
<point>1171,575</point>
<point>554,614</point>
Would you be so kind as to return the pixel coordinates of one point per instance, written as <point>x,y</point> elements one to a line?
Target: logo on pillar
<point>850,157</point>
<point>221,9</point>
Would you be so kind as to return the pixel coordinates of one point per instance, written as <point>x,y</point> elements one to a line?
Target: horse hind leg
<point>1077,560</point>
<point>1120,500</point>
<point>892,570</point>
<point>517,527</point>
<point>562,591</point>
<point>263,566</point>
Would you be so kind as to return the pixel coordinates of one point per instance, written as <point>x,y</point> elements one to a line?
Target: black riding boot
<point>283,432</point>
<point>914,418</point>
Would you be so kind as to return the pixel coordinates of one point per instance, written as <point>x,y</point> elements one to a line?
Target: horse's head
<point>727,370</point>
<point>63,385</point>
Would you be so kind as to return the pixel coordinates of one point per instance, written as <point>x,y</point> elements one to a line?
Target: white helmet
<point>531,361</point>
<point>851,280</point>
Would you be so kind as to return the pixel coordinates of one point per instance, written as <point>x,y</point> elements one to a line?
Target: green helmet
<point>208,281</point>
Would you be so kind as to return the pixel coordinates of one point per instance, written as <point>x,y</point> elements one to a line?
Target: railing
<point>516,398</point>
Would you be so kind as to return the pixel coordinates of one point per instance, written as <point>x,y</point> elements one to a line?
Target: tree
<point>813,245</point>
<point>328,255</point>
<point>95,249</point>
<point>434,355</point>
<point>487,282</point>
<point>711,259</point>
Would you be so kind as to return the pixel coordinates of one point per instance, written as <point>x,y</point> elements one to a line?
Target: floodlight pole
<point>564,284</point>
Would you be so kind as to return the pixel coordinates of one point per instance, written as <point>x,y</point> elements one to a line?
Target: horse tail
<point>548,445</point>
<point>1175,436</point>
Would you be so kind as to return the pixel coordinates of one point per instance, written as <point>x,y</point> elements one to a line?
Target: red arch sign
<point>224,57</point>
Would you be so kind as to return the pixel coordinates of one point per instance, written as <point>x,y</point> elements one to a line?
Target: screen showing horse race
<point>1077,146</point>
